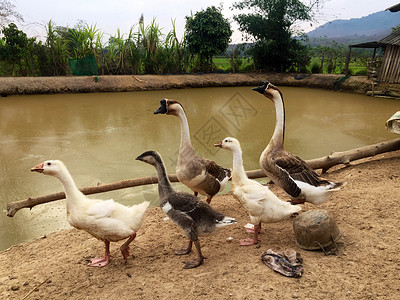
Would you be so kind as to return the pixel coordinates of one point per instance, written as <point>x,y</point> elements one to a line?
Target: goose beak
<point>219,144</point>
<point>39,168</point>
<point>261,89</point>
<point>141,156</point>
<point>163,107</point>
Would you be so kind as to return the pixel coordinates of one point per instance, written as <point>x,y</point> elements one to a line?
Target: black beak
<point>261,89</point>
<point>163,107</point>
<point>146,153</point>
<point>140,157</point>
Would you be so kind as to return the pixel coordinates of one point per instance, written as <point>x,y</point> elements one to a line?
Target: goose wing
<point>251,197</point>
<point>254,193</point>
<point>216,171</point>
<point>101,209</point>
<point>184,202</point>
<point>194,207</point>
<point>298,169</point>
<point>275,170</point>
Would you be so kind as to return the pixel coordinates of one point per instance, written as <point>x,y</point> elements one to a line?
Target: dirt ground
<point>367,265</point>
<point>125,83</point>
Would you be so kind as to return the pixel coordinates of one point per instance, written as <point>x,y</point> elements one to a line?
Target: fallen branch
<point>345,157</point>
<point>324,163</point>
<point>383,93</point>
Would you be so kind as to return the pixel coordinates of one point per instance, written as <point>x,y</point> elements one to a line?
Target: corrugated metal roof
<point>368,45</point>
<point>394,8</point>
<point>392,39</point>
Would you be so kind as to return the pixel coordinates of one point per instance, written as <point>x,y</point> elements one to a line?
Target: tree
<point>7,12</point>
<point>270,24</point>
<point>15,46</point>
<point>56,60</point>
<point>207,34</point>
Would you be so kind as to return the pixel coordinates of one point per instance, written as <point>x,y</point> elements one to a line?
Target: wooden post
<point>346,66</point>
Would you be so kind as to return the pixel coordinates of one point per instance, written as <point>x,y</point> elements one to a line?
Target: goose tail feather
<point>335,186</point>
<point>226,221</point>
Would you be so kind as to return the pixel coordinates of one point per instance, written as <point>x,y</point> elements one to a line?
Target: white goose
<point>201,175</point>
<point>262,205</point>
<point>105,220</point>
<point>194,216</point>
<point>286,170</point>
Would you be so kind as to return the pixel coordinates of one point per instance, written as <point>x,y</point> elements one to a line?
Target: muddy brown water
<point>99,135</point>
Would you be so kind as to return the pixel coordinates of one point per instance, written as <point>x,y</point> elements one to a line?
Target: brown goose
<point>201,175</point>
<point>194,216</point>
<point>286,170</point>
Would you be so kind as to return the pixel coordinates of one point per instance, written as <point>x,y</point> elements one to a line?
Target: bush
<point>315,68</point>
<point>247,68</point>
<point>363,72</point>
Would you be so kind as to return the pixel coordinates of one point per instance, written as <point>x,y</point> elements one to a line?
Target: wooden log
<point>345,157</point>
<point>324,163</point>
<point>383,93</point>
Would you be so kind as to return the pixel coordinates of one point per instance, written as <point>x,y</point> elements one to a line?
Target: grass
<point>355,67</point>
<point>224,64</point>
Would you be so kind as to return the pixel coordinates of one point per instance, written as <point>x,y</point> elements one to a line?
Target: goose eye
<point>49,163</point>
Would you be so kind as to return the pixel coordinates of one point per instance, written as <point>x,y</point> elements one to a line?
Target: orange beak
<point>219,144</point>
<point>38,168</point>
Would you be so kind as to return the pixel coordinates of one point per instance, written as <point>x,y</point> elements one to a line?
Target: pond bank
<point>127,83</point>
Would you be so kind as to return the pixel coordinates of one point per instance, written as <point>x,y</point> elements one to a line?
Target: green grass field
<point>354,67</point>
<point>224,64</point>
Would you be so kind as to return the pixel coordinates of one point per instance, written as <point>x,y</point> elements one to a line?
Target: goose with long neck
<point>194,216</point>
<point>286,170</point>
<point>201,175</point>
<point>107,220</point>
<point>262,205</point>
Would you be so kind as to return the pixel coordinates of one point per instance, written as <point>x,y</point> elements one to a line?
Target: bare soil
<point>367,265</point>
<point>124,83</point>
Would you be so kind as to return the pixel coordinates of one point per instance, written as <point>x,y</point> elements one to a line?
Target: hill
<point>372,27</point>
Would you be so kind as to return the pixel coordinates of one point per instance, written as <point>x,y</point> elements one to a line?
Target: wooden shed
<point>389,68</point>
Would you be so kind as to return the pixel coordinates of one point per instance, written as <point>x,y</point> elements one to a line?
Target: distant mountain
<point>370,28</point>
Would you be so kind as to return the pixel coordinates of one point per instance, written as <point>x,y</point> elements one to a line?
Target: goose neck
<point>164,185</point>
<point>279,132</point>
<point>185,133</point>
<point>238,172</point>
<point>71,191</point>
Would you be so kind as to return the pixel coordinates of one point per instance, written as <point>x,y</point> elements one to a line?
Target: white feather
<point>101,209</point>
<point>166,207</point>
<point>225,221</point>
<point>315,194</point>
<point>223,183</point>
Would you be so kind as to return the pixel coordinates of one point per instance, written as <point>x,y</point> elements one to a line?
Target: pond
<point>98,136</point>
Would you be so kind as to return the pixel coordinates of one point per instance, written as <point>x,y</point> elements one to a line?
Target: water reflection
<point>98,137</point>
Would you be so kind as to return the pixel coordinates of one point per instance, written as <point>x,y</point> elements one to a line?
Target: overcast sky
<point>108,16</point>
